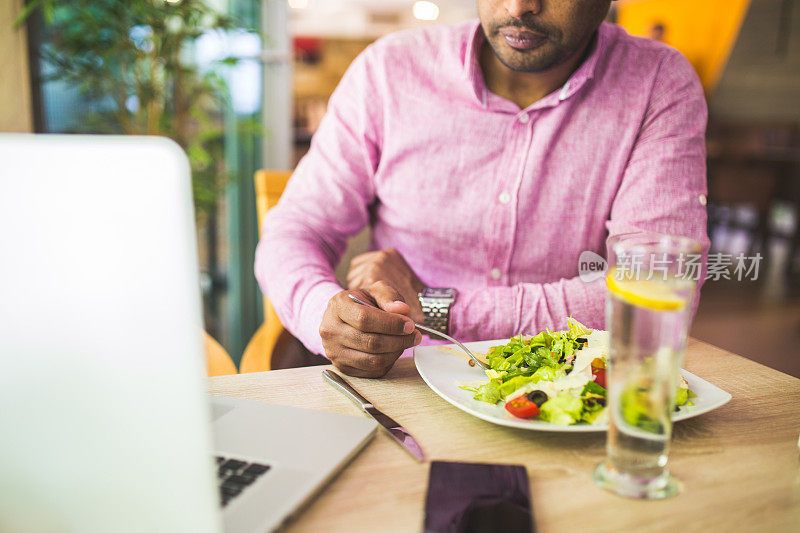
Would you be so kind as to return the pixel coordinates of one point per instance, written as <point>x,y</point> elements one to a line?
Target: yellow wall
<point>15,91</point>
<point>703,30</point>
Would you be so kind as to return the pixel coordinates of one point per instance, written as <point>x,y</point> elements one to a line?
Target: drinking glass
<point>652,285</point>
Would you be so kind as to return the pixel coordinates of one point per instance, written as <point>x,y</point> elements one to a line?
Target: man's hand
<point>388,266</point>
<point>362,341</point>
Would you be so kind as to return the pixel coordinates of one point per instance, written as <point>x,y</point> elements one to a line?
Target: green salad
<point>560,377</point>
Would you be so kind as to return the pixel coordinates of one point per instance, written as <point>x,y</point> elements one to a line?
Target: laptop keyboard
<point>235,475</point>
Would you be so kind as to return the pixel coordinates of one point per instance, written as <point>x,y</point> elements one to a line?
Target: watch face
<point>439,292</point>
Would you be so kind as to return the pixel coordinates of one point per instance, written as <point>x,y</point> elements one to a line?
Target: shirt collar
<point>472,66</point>
<point>474,74</point>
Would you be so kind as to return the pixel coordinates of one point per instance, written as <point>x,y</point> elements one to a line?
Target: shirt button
<point>524,118</point>
<point>703,199</point>
<point>495,273</point>
<point>504,198</point>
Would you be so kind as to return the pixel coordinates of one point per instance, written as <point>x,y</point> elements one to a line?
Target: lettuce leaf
<point>592,387</point>
<point>684,397</point>
<point>514,383</point>
<point>593,398</point>
<point>488,392</point>
<point>589,415</point>
<point>576,329</point>
<point>681,397</point>
<point>548,373</point>
<point>564,409</point>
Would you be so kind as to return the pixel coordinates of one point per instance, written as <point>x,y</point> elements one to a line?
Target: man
<point>486,158</point>
<point>656,32</point>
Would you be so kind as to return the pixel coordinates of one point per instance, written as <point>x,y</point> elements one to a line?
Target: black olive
<point>581,340</point>
<point>538,397</point>
<point>591,402</point>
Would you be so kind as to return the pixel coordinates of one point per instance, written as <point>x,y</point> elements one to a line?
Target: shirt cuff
<point>314,305</point>
<point>479,314</point>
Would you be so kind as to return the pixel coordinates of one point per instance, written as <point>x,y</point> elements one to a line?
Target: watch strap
<point>436,311</point>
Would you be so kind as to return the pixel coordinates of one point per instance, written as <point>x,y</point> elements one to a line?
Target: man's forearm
<point>294,270</point>
<point>502,312</point>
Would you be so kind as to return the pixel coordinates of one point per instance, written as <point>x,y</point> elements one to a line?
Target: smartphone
<point>477,498</point>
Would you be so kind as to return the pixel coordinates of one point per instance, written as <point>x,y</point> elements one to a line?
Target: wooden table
<point>739,464</point>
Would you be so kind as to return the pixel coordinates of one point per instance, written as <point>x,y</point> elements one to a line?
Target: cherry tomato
<point>599,376</point>
<point>522,407</point>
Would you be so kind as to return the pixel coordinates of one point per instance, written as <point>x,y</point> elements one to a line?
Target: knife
<point>397,431</point>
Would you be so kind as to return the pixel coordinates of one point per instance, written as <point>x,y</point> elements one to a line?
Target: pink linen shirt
<point>480,195</point>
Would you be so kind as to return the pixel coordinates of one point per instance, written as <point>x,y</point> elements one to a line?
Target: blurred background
<point>243,84</point>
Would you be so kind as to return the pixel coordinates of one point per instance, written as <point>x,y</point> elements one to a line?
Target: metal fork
<point>433,331</point>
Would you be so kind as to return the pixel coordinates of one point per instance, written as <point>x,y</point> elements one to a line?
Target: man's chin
<point>525,62</point>
<point>534,60</point>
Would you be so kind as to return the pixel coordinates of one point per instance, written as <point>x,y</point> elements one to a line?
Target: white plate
<point>444,370</point>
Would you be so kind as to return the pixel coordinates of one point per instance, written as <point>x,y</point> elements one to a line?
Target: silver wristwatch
<point>436,303</point>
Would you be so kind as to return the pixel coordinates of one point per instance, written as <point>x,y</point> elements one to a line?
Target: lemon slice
<point>651,294</point>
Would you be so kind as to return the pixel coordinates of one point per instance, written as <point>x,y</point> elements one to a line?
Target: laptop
<point>105,422</point>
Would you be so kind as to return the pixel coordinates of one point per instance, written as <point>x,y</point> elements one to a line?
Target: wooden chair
<point>257,355</point>
<point>218,362</point>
